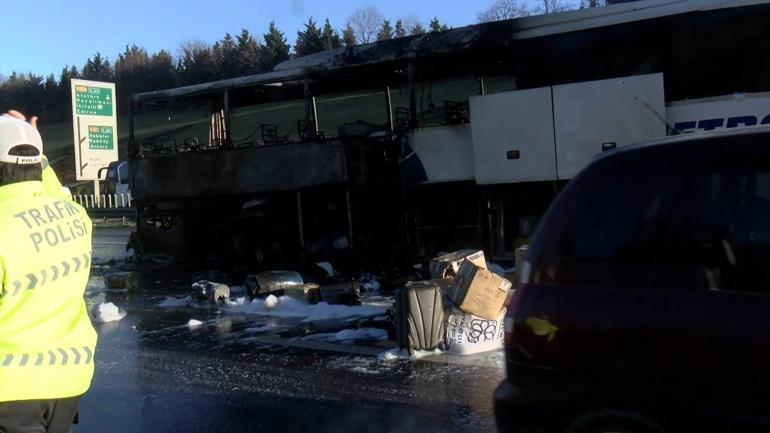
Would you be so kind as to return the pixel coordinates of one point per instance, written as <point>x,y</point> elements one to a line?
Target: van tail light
<point>515,301</point>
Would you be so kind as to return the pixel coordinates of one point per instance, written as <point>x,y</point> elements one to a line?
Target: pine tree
<point>131,73</point>
<point>436,26</point>
<point>249,54</point>
<point>50,92</point>
<point>161,71</point>
<point>196,65</point>
<point>98,68</point>
<point>400,31</point>
<point>348,36</point>
<point>276,48</point>
<point>418,29</point>
<point>226,57</point>
<point>309,41</point>
<point>66,75</point>
<point>386,31</point>
<point>71,73</point>
<point>64,92</point>
<point>331,38</point>
<point>24,92</point>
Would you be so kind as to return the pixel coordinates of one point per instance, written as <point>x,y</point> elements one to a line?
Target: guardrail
<point>104,201</point>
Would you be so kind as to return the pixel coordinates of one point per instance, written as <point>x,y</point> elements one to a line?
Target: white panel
<point>622,110</point>
<point>513,121</point>
<point>446,152</point>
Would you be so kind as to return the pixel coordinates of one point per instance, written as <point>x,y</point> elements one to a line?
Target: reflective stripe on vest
<point>61,269</point>
<point>59,356</point>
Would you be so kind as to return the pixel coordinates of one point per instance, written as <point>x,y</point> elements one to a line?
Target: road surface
<point>109,243</point>
<point>156,374</point>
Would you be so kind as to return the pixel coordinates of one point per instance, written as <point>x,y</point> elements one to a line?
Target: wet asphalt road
<point>155,374</point>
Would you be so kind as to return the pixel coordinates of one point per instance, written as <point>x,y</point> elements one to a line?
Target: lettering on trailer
<point>51,225</point>
<point>714,123</point>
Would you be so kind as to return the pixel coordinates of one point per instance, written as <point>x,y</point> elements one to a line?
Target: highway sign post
<point>95,129</point>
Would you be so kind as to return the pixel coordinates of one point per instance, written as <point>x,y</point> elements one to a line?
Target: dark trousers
<point>38,416</point>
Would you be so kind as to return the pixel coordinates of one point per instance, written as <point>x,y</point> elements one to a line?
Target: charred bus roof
<point>489,44</point>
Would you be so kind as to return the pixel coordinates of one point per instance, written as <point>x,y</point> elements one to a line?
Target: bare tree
<point>552,6</point>
<point>503,10</point>
<point>366,23</point>
<point>412,25</point>
<point>592,3</point>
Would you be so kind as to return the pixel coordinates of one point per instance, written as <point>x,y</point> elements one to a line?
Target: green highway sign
<point>94,101</point>
<point>94,127</point>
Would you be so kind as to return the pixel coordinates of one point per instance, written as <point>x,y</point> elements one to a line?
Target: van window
<point>667,223</point>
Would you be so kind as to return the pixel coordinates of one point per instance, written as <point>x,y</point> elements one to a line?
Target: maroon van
<point>644,302</point>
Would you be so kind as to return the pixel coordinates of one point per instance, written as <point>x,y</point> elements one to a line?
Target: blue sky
<point>44,36</point>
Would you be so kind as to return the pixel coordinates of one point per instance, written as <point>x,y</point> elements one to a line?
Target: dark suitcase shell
<point>420,321</point>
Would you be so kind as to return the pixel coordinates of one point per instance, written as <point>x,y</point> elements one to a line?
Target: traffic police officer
<point>47,342</point>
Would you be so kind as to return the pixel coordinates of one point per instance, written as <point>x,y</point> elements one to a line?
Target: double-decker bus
<point>395,150</point>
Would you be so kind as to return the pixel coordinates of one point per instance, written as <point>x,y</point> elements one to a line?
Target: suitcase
<point>420,321</point>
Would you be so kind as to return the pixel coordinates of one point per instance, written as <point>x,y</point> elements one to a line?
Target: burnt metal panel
<point>238,171</point>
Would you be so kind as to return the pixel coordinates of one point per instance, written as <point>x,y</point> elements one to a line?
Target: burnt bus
<point>396,150</point>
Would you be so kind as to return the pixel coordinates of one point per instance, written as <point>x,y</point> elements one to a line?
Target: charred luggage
<point>420,323</point>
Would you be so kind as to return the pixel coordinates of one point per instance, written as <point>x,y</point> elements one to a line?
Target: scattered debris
<point>496,269</point>
<point>350,335</point>
<point>340,242</point>
<point>288,307</point>
<point>447,265</point>
<point>478,291</point>
<point>121,280</point>
<point>460,310</point>
<point>259,329</point>
<point>193,323</point>
<point>344,293</point>
<point>521,254</point>
<point>108,312</point>
<point>308,292</point>
<point>398,353</point>
<point>369,282</point>
<point>326,266</point>
<point>175,302</point>
<point>270,281</point>
<point>420,322</point>
<point>209,292</point>
<point>271,302</point>
<point>468,334</point>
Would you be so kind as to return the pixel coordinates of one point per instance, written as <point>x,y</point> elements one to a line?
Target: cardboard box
<point>477,291</point>
<point>468,334</point>
<point>448,265</point>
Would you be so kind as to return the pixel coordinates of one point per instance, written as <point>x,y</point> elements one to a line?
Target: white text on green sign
<point>94,101</point>
<point>101,137</point>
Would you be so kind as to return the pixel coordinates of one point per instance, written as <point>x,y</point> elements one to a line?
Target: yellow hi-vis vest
<point>51,182</point>
<point>47,342</point>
